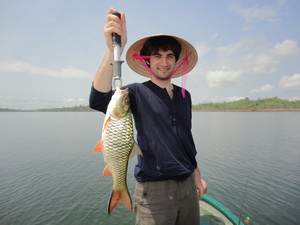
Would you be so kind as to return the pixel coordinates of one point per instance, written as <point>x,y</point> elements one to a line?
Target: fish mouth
<point>124,91</point>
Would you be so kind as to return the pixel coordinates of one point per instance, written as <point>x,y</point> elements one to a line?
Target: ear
<point>147,61</point>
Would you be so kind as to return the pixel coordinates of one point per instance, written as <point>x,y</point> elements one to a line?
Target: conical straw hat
<point>187,50</point>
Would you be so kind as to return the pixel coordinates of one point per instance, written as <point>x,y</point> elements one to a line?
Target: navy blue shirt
<point>163,130</point>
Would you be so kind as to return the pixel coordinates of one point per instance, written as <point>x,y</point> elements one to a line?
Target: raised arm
<point>103,78</point>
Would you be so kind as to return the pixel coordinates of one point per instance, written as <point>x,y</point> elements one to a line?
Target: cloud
<point>290,82</point>
<point>70,100</point>
<point>25,103</point>
<point>286,48</point>
<point>250,56</point>
<point>18,66</point>
<point>281,2</point>
<point>223,78</point>
<point>215,35</point>
<point>219,99</point>
<point>266,59</point>
<point>244,45</point>
<point>75,101</point>
<point>202,49</point>
<point>251,14</point>
<point>14,102</point>
<point>295,99</point>
<point>263,89</point>
<point>261,63</point>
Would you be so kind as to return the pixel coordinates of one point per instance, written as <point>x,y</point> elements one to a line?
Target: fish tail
<point>117,196</point>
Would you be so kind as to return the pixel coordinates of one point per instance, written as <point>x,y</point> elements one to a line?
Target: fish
<point>118,146</point>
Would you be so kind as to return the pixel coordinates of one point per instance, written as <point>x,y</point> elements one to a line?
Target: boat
<point>213,212</point>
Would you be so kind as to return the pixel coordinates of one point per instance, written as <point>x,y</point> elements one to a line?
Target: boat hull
<point>213,212</point>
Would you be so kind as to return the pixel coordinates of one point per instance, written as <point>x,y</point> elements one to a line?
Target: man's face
<point>162,64</point>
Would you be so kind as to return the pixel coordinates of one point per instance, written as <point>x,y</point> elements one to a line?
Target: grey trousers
<point>167,203</point>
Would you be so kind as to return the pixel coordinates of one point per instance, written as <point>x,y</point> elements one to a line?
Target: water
<point>49,174</point>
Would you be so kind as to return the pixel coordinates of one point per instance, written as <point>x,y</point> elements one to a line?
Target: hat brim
<point>187,50</point>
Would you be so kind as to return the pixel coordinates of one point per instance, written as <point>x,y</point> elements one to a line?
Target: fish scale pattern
<point>118,143</point>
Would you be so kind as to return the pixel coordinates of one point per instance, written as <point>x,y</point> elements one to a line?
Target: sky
<point>50,50</point>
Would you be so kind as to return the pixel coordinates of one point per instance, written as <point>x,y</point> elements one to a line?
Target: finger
<point>111,27</point>
<point>111,11</point>
<point>200,193</point>
<point>123,21</point>
<point>112,17</point>
<point>124,29</point>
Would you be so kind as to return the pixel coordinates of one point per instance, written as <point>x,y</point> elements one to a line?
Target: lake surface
<point>49,174</point>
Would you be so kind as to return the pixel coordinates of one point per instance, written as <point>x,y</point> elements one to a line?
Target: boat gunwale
<point>222,209</point>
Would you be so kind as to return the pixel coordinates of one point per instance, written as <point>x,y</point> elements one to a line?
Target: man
<point>168,179</point>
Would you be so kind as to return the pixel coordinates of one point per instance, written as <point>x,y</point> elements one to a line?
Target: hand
<point>201,188</point>
<point>115,25</point>
<point>200,184</point>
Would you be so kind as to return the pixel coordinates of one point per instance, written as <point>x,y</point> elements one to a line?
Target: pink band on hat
<point>141,58</point>
<point>185,71</point>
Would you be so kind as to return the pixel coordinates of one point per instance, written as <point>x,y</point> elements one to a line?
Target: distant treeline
<point>68,109</point>
<point>251,105</point>
<point>63,109</point>
<point>271,104</point>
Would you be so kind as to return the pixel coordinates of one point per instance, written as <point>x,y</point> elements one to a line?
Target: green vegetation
<point>267,104</point>
<point>64,109</point>
<point>252,105</point>
<point>8,110</point>
<point>68,109</point>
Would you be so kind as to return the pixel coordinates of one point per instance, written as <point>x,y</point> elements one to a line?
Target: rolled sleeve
<point>99,100</point>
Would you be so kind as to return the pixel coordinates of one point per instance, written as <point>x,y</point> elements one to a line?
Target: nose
<point>164,61</point>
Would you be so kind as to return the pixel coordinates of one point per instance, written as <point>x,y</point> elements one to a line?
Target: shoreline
<point>193,110</point>
<point>246,110</point>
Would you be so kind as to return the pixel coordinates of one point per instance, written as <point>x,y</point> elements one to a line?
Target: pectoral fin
<point>98,147</point>
<point>135,150</point>
<point>106,121</point>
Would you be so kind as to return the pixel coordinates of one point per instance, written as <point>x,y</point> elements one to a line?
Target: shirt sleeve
<point>99,100</point>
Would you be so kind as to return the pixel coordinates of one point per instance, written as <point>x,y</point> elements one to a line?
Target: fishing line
<point>243,201</point>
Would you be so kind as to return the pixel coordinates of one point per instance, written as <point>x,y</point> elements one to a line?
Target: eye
<point>127,100</point>
<point>171,56</point>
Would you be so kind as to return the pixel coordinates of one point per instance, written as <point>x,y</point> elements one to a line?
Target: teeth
<point>164,69</point>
